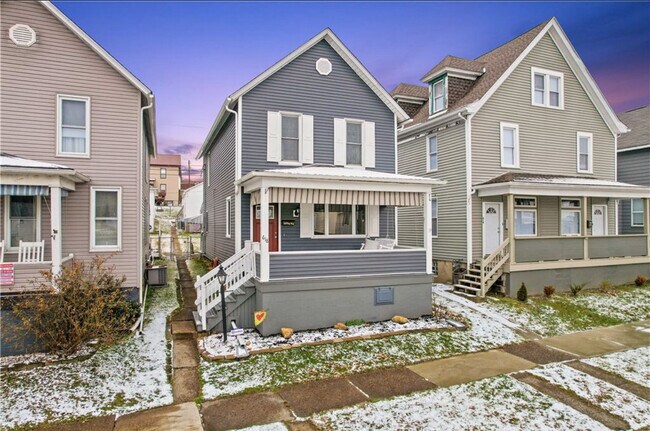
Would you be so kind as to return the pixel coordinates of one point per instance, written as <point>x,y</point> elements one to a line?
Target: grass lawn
<point>198,266</point>
<point>564,313</point>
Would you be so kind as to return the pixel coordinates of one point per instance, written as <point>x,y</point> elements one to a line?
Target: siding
<point>172,182</point>
<point>222,159</point>
<point>412,160</point>
<point>632,168</point>
<point>298,87</point>
<point>60,63</point>
<point>45,228</point>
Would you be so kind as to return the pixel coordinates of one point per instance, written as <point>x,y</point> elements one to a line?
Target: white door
<point>492,222</point>
<point>599,220</point>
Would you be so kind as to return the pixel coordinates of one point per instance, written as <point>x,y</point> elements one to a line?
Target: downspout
<point>468,186</point>
<point>237,173</point>
<point>143,295</point>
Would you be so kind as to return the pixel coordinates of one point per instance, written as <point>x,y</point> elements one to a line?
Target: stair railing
<point>240,268</point>
<point>491,264</point>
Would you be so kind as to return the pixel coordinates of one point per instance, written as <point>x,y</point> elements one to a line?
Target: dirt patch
<point>634,388</point>
<point>103,423</point>
<point>537,353</point>
<point>244,411</point>
<point>308,398</point>
<point>389,383</point>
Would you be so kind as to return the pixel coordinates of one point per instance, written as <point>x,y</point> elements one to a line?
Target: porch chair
<point>386,243</point>
<point>31,252</point>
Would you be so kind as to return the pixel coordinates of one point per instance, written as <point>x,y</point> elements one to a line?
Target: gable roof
<point>500,62</point>
<point>453,62</point>
<point>166,160</point>
<point>638,120</point>
<point>338,46</point>
<point>410,90</point>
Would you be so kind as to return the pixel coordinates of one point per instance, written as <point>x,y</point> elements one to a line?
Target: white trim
<point>229,217</point>
<point>327,235</point>
<point>364,251</point>
<point>428,148</point>
<point>514,126</point>
<point>640,147</point>
<point>469,226</point>
<point>632,224</point>
<point>453,72</point>
<point>7,222</point>
<point>445,87</point>
<point>590,154</point>
<point>571,209</point>
<point>547,88</point>
<point>605,219</point>
<point>238,168</point>
<point>361,123</point>
<point>500,206</point>
<point>520,209</point>
<point>59,125</point>
<point>616,210</point>
<point>435,198</point>
<point>578,263</point>
<point>105,248</point>
<point>563,190</point>
<point>297,115</point>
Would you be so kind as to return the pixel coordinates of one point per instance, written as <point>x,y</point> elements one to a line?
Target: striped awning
<point>339,197</point>
<point>21,190</point>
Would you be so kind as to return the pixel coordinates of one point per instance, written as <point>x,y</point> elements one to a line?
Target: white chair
<point>31,252</point>
<point>2,251</point>
<point>386,243</point>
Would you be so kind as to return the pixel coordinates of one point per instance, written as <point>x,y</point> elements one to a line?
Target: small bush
<point>90,305</point>
<point>576,288</point>
<point>640,280</point>
<point>522,293</point>
<point>549,291</point>
<point>607,287</point>
<point>355,322</point>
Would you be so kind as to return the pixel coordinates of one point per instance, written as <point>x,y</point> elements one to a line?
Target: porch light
<point>221,275</point>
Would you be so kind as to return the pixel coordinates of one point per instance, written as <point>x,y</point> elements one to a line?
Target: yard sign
<point>6,274</point>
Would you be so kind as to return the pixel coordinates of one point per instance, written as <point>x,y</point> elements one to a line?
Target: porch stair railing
<point>240,268</point>
<point>480,277</point>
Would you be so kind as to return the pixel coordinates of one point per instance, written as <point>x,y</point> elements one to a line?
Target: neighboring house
<point>192,208</point>
<point>165,177</point>
<point>76,130</point>
<point>299,169</point>
<point>527,144</point>
<point>634,167</point>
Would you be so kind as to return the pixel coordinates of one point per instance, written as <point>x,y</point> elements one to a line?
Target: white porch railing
<point>240,268</point>
<point>491,265</point>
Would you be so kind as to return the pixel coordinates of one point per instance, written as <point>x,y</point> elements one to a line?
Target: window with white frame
<point>73,126</point>
<point>163,187</point>
<point>525,216</point>
<point>163,173</point>
<point>354,143</point>
<point>106,218</point>
<point>290,151</point>
<point>434,217</point>
<point>22,220</point>
<point>636,218</point>
<point>585,149</point>
<point>438,91</point>
<point>335,220</point>
<point>547,88</point>
<point>432,152</point>
<point>228,216</point>
<point>509,145</point>
<point>570,214</point>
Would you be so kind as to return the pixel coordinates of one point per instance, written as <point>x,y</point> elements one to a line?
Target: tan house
<point>165,177</point>
<point>77,130</point>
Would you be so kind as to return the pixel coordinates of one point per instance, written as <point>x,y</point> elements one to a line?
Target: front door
<point>492,221</point>
<point>599,220</point>
<point>273,227</point>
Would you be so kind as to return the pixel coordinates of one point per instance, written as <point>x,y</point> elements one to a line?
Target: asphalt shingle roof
<point>638,121</point>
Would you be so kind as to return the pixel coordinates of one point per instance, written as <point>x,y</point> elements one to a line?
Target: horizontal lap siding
<point>633,167</point>
<point>60,63</point>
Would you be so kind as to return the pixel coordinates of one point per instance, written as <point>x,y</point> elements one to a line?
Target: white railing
<point>240,268</point>
<point>491,264</point>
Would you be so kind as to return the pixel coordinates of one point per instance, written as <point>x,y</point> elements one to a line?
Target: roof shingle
<point>638,121</point>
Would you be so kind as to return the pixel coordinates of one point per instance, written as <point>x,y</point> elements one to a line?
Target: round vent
<point>22,35</point>
<point>323,66</point>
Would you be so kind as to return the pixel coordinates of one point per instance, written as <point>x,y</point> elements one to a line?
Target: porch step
<point>461,286</point>
<point>465,280</point>
<point>234,300</point>
<point>475,276</point>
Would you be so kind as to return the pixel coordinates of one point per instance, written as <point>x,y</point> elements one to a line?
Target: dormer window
<point>547,88</point>
<point>438,90</point>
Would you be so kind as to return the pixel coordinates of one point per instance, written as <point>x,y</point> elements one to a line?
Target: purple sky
<point>194,54</point>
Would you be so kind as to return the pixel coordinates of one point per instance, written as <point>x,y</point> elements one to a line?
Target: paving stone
<point>306,399</point>
<point>176,417</point>
<point>470,367</point>
<point>584,344</point>
<point>184,354</point>
<point>616,380</point>
<point>389,383</point>
<point>102,423</point>
<point>537,353</point>
<point>184,313</point>
<point>183,329</point>
<point>185,384</point>
<point>244,411</point>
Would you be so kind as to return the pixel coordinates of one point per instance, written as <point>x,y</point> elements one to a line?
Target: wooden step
<point>474,270</point>
<point>472,275</point>
<point>464,280</point>
<point>473,289</point>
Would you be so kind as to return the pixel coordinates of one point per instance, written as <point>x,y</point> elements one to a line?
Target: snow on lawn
<point>128,376</point>
<point>631,408</point>
<point>630,304</point>
<point>271,370</point>
<point>632,365</point>
<point>498,403</point>
<point>276,426</point>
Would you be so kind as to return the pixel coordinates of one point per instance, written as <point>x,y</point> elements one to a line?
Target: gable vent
<point>323,66</point>
<point>22,35</point>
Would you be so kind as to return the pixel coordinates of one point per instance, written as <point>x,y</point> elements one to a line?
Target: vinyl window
<point>339,220</point>
<point>547,88</point>
<point>438,95</point>
<point>434,217</point>
<point>432,152</point>
<point>228,216</point>
<point>354,143</point>
<point>106,218</point>
<point>636,206</point>
<point>570,215</point>
<point>73,126</point>
<point>509,145</point>
<point>585,150</point>
<point>525,216</point>
<point>163,187</point>
<point>290,151</point>
<point>163,173</point>
<point>22,220</point>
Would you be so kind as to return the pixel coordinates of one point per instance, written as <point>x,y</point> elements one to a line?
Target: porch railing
<point>557,248</point>
<point>492,266</point>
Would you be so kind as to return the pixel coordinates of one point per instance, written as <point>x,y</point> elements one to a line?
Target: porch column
<point>55,223</point>
<point>428,230</point>
<point>583,229</point>
<point>264,234</point>
<point>510,202</point>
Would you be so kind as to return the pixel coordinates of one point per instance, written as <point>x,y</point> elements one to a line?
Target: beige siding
<point>412,160</point>
<point>173,182</point>
<point>60,63</point>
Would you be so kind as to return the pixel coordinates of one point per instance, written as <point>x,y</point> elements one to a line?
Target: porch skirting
<point>339,197</point>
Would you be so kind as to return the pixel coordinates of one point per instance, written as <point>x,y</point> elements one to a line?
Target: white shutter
<point>306,220</point>
<point>339,141</point>
<point>273,136</point>
<point>368,144</point>
<point>372,225</point>
<point>307,139</point>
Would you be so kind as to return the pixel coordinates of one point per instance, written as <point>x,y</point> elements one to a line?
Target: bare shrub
<point>640,280</point>
<point>549,291</point>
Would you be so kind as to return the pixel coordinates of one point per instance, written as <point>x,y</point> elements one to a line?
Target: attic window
<point>22,35</point>
<point>438,92</point>
<point>323,66</point>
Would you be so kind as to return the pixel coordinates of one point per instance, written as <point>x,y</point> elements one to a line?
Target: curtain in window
<point>354,145</point>
<point>73,126</point>
<point>570,222</point>
<point>525,222</point>
<point>22,219</point>
<point>106,218</point>
<point>290,138</point>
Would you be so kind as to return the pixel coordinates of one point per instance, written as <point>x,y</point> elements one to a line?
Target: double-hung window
<point>73,126</point>
<point>228,217</point>
<point>509,145</point>
<point>354,143</point>
<point>22,220</point>
<point>525,216</point>
<point>290,138</point>
<point>438,91</point>
<point>339,220</point>
<point>636,206</point>
<point>434,217</point>
<point>570,216</point>
<point>163,173</point>
<point>432,153</point>
<point>547,88</point>
<point>163,187</point>
<point>585,152</point>
<point>106,218</point>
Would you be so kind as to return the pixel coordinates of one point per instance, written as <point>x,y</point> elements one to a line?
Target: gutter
<point>433,122</point>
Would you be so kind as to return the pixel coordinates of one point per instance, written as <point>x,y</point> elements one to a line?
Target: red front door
<point>273,226</point>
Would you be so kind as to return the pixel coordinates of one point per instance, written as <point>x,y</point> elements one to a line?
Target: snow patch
<point>632,365</point>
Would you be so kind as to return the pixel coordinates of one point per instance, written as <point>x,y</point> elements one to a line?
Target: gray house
<point>300,197</point>
<point>633,157</point>
<point>527,144</point>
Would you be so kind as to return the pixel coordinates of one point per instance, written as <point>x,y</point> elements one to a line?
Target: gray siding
<point>412,160</point>
<point>298,87</point>
<point>633,168</point>
<point>222,159</point>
